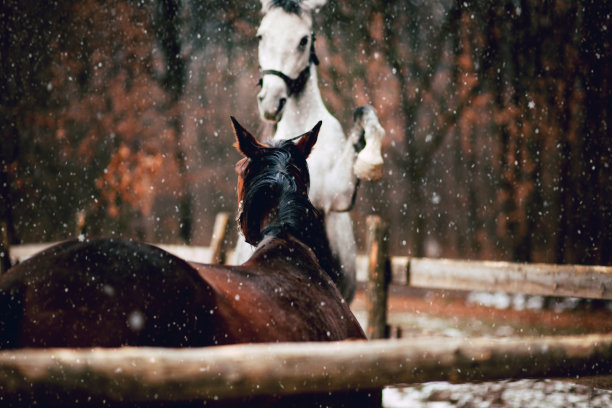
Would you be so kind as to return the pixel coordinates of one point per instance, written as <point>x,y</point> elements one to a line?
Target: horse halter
<point>295,86</point>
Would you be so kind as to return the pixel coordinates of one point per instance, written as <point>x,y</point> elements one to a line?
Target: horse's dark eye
<point>303,42</point>
<point>258,37</point>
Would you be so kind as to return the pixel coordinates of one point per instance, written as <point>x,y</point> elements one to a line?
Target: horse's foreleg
<point>340,181</point>
<point>339,228</point>
<point>369,163</point>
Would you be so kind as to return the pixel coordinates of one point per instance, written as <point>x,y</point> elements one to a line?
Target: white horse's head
<point>286,52</point>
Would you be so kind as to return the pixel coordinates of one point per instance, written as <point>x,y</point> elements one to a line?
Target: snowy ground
<point>491,315</point>
<point>499,394</point>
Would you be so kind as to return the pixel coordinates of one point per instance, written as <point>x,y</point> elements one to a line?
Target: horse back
<point>106,293</point>
<point>280,294</point>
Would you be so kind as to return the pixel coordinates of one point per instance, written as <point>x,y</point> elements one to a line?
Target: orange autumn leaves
<point>129,178</point>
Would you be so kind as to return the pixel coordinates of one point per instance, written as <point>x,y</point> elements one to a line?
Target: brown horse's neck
<point>296,219</point>
<point>289,253</point>
<point>275,204</point>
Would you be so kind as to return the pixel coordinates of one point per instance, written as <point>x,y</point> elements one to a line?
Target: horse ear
<point>266,5</point>
<point>246,143</point>
<point>308,140</point>
<point>312,5</point>
<point>307,5</point>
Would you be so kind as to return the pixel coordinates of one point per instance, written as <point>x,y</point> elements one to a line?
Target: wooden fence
<point>133,375</point>
<point>582,281</point>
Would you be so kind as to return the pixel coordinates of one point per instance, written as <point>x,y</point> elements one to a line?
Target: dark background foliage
<point>117,112</point>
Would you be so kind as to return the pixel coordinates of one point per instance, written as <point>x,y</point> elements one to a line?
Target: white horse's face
<point>284,46</point>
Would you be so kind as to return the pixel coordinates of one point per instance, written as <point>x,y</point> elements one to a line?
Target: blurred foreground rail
<point>144,375</point>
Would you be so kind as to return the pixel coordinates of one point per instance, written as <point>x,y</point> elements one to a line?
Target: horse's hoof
<point>368,168</point>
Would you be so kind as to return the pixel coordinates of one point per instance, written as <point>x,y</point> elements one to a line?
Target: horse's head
<point>286,52</point>
<point>268,172</point>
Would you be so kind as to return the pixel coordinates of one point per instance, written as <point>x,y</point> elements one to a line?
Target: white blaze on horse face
<point>281,48</point>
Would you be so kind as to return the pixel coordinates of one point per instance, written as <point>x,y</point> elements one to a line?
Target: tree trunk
<point>595,187</point>
<point>167,26</point>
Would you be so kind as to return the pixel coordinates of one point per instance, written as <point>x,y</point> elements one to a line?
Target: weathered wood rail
<point>217,252</point>
<point>584,281</point>
<point>141,375</point>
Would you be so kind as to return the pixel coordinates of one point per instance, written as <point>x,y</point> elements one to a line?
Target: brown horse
<point>112,292</point>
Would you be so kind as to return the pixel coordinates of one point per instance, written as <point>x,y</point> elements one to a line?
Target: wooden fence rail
<point>140,375</point>
<point>217,252</point>
<point>586,281</point>
<point>582,281</point>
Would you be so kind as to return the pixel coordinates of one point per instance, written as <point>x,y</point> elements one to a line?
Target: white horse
<point>290,97</point>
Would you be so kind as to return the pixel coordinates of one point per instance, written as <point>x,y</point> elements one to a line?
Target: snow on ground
<point>498,394</point>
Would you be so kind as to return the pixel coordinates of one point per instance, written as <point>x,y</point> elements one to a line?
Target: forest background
<point>116,114</point>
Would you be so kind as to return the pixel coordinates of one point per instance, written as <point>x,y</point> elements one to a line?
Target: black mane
<point>272,180</point>
<point>290,6</point>
<point>277,182</point>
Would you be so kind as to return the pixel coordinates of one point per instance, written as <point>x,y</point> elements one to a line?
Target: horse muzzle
<point>271,100</point>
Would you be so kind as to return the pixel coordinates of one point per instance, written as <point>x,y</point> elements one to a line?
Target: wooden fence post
<point>379,274</point>
<point>218,241</point>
